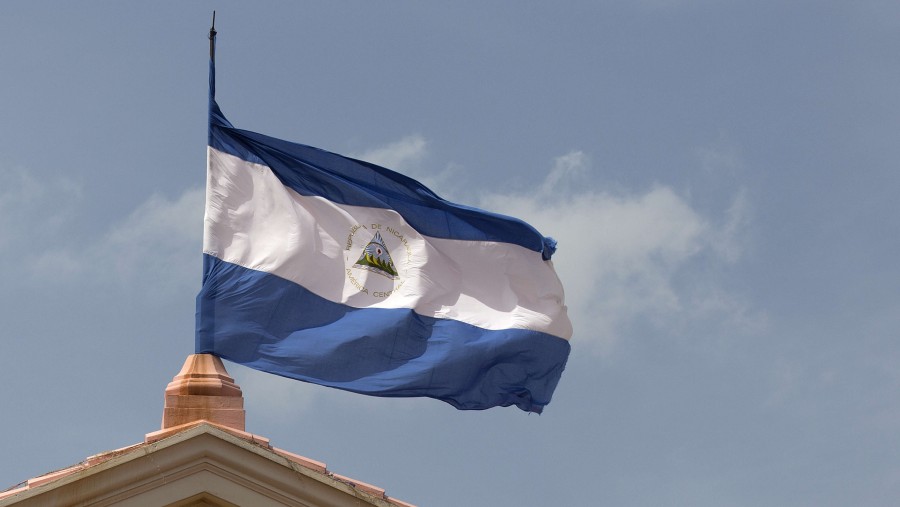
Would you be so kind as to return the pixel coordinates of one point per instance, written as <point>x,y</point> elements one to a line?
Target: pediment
<point>198,467</point>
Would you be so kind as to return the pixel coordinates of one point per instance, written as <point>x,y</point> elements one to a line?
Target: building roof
<point>197,463</point>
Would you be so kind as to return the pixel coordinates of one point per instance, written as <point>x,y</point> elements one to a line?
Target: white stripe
<point>254,221</point>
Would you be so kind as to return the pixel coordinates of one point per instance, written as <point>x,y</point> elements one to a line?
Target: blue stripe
<point>315,172</point>
<point>274,325</point>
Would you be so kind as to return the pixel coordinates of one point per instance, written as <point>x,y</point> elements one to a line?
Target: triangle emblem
<point>376,258</point>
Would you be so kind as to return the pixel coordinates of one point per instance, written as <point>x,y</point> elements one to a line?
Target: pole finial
<point>212,38</point>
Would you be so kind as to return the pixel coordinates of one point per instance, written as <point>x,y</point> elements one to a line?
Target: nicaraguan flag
<point>342,273</point>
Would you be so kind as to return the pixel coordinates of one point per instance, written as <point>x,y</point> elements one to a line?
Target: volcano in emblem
<point>376,258</point>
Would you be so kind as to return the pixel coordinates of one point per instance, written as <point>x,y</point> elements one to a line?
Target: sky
<point>721,176</point>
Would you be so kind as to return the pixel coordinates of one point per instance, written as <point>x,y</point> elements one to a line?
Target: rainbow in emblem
<point>376,258</point>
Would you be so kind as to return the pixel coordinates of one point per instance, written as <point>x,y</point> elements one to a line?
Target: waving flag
<point>342,273</point>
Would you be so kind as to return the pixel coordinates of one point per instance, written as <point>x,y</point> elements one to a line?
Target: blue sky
<point>721,177</point>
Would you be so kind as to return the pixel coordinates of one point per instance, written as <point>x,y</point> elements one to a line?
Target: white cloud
<point>568,169</point>
<point>156,248</point>
<point>407,156</point>
<point>621,255</point>
<point>160,239</point>
<point>157,245</point>
<point>722,156</point>
<point>729,235</point>
<point>34,209</point>
<point>398,155</point>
